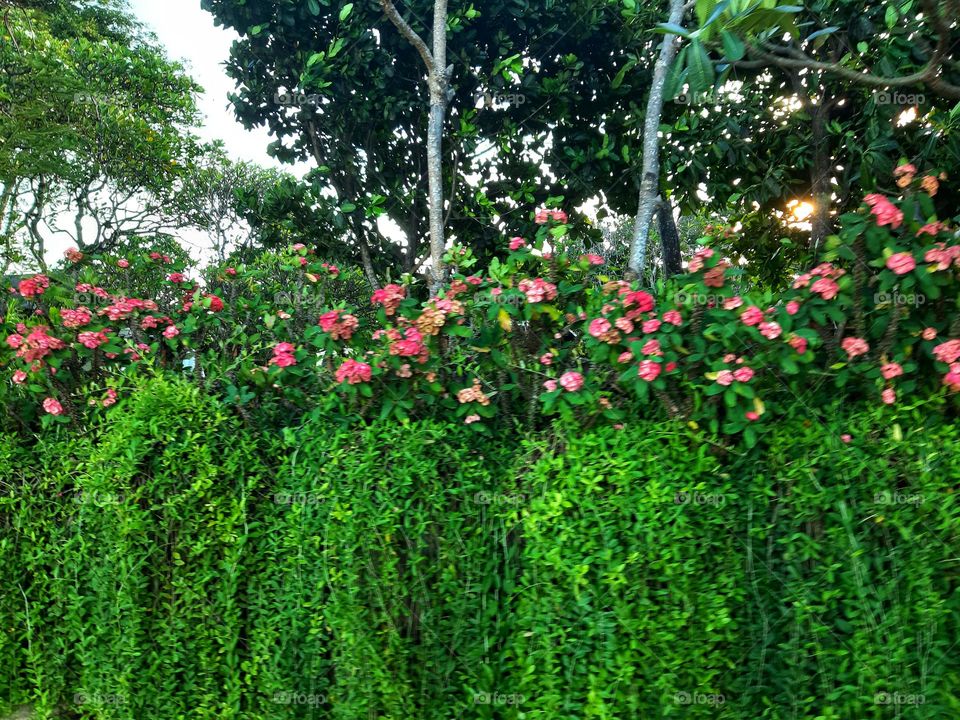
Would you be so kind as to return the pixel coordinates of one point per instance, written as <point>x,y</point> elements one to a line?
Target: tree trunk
<point>650,173</point>
<point>438,111</point>
<point>437,77</point>
<point>669,239</point>
<point>820,226</point>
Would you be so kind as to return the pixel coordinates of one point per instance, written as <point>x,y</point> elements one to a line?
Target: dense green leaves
<point>174,564</point>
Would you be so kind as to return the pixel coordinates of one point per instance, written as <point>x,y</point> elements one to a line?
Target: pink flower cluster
<point>544,216</point>
<point>390,296</point>
<point>75,318</point>
<point>283,355</point>
<point>36,345</point>
<point>537,290</point>
<point>34,287</point>
<point>339,324</point>
<point>943,255</point>
<point>353,372</point>
<point>885,211</point>
<point>410,344</point>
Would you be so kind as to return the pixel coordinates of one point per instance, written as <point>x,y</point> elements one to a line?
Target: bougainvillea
<point>539,332</point>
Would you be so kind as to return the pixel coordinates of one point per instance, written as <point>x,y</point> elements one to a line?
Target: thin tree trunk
<point>650,173</point>
<point>437,78</point>
<point>820,226</point>
<point>669,239</point>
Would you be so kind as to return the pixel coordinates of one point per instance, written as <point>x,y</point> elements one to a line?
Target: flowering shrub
<point>539,332</point>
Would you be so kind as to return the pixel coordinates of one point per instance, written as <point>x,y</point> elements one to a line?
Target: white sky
<point>190,36</point>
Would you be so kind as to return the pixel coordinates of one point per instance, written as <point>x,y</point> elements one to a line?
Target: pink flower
<point>75,318</point>
<point>752,415</point>
<point>571,381</point>
<point>729,358</point>
<point>793,307</point>
<point>901,263</point>
<point>642,300</point>
<point>52,406</point>
<point>625,357</point>
<point>232,272</point>
<point>825,288</point>
<point>19,377</point>
<point>889,396</point>
<point>353,372</point>
<point>171,331</point>
<point>891,370</point>
<point>92,340</point>
<point>651,347</point>
<point>538,290</point>
<point>846,438</point>
<point>743,374</point>
<point>550,385</point>
<point>111,398</point>
<point>624,324</point>
<point>517,243</point>
<point>599,327</point>
<point>798,343</point>
<point>952,378</point>
<point>176,277</point>
<point>123,263</point>
<point>390,296</point>
<point>340,327</point>
<point>592,259</point>
<point>470,419</point>
<point>496,292</point>
<point>770,330</point>
<point>854,347</point>
<point>725,377</point>
<point>648,370</point>
<point>752,316</point>
<point>651,326</point>
<point>933,228</point>
<point>885,211</point>
<point>73,255</point>
<point>297,247</point>
<point>546,359</point>
<point>673,317</point>
<point>929,333</point>
<point>947,352</point>
<point>32,287</point>
<point>732,303</point>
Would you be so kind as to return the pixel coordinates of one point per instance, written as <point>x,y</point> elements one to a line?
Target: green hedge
<point>172,564</point>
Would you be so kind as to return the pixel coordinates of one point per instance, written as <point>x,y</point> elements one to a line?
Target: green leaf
<point>733,47</point>
<point>345,11</point>
<point>701,69</point>
<point>314,7</point>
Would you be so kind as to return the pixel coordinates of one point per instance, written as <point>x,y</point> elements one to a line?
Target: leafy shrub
<point>172,563</point>
<point>542,332</point>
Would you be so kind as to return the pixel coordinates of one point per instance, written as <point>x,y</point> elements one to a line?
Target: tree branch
<point>408,32</point>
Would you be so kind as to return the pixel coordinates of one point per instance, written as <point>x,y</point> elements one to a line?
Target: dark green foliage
<point>414,571</point>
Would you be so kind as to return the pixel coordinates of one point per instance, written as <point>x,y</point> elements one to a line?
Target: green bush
<point>175,564</point>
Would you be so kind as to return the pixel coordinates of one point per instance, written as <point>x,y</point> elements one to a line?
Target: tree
<point>93,120</point>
